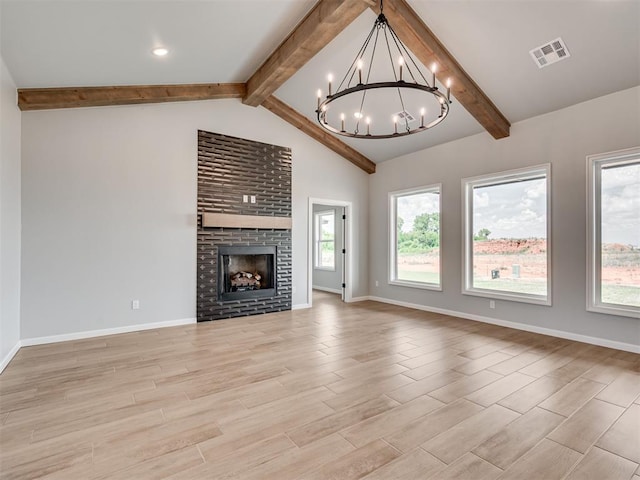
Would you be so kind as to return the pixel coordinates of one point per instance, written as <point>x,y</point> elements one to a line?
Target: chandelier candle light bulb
<point>342,122</point>
<point>319,97</point>
<point>448,89</point>
<point>395,124</point>
<point>368,120</point>
<point>330,78</point>
<point>360,65</point>
<point>422,112</point>
<point>434,67</point>
<point>400,62</point>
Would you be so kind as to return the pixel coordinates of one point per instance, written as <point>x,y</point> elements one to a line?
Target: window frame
<point>594,234</point>
<point>393,248</point>
<point>498,178</point>
<point>318,240</point>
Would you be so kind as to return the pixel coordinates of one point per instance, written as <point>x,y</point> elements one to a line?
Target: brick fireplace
<point>244,227</point>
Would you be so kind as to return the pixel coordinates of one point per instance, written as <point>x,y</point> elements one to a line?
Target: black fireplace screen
<point>246,272</point>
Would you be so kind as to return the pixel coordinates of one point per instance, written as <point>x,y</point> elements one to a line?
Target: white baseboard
<point>327,289</point>
<point>359,299</point>
<point>602,342</point>
<point>300,306</point>
<point>107,331</point>
<point>9,356</point>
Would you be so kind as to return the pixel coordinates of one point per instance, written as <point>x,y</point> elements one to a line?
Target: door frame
<point>347,241</point>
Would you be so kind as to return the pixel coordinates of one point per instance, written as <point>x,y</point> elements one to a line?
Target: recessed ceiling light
<point>160,51</point>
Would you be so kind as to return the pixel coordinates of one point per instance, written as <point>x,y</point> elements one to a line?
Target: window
<point>325,257</point>
<point>506,235</point>
<point>415,237</point>
<point>613,245</point>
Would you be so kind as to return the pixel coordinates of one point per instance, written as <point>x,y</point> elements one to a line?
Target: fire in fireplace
<point>246,272</point>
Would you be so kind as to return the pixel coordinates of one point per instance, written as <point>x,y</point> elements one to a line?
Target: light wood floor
<point>335,392</point>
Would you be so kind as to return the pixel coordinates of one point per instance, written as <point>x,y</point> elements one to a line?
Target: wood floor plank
<point>466,435</point>
<point>499,389</point>
<point>547,460</point>
<point>322,427</point>
<point>623,390</point>
<point>598,463</point>
<point>299,462</point>
<point>608,370</point>
<point>92,421</point>
<point>584,427</point>
<point>388,422</point>
<point>243,459</point>
<point>282,415</point>
<point>555,360</point>
<point>42,461</point>
<point>432,424</point>
<point>345,384</point>
<point>471,467</point>
<point>513,364</point>
<point>465,386</point>
<point>528,397</point>
<point>573,369</point>
<point>372,390</point>
<point>356,464</point>
<point>517,438</point>
<point>421,387</point>
<point>412,465</point>
<point>572,396</point>
<point>485,349</point>
<point>623,438</point>
<point>437,366</point>
<point>479,364</point>
<point>161,466</point>
<point>444,354</point>
<point>147,443</point>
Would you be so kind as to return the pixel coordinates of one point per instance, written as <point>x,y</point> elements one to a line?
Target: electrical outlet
<point>377,283</point>
<point>492,304</point>
<point>253,199</point>
<point>135,304</point>
<point>245,198</point>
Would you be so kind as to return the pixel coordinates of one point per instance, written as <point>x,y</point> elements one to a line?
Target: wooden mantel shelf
<point>226,220</point>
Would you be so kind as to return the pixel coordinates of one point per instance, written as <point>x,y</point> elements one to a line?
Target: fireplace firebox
<point>246,272</point>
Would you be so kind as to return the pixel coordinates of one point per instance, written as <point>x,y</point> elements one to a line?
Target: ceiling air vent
<point>549,53</point>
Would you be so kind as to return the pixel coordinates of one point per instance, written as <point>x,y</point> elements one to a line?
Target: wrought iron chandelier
<point>363,106</point>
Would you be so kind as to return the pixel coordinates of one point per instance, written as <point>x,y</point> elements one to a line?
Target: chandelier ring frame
<point>323,108</point>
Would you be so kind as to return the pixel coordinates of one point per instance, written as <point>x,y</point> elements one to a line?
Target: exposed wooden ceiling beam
<point>428,49</point>
<point>321,25</point>
<point>73,97</point>
<point>316,132</point>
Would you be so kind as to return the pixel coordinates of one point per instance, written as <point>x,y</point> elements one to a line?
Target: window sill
<point>512,297</point>
<point>619,310</point>
<point>419,285</point>
<point>325,269</point>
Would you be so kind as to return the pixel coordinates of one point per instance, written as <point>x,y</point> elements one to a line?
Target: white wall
<point>9,217</point>
<point>564,139</point>
<point>109,202</point>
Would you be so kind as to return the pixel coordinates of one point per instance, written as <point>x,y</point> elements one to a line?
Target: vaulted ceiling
<point>261,52</point>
